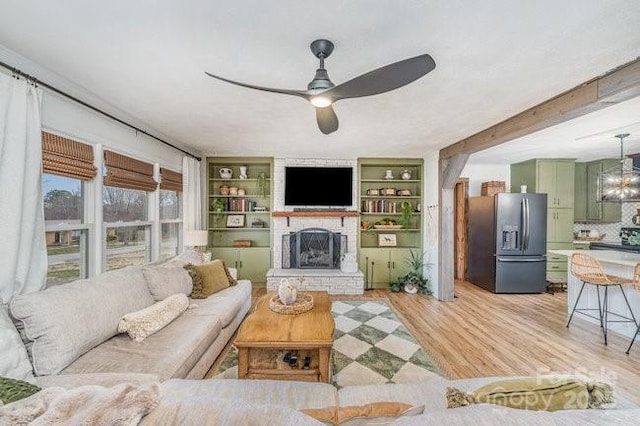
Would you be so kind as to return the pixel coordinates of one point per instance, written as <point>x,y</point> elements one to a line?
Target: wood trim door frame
<point>460,214</point>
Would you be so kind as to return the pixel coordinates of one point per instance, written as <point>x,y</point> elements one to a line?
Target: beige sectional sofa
<point>257,402</point>
<point>71,335</point>
<point>70,330</point>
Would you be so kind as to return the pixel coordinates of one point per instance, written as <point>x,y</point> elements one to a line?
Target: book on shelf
<point>379,206</point>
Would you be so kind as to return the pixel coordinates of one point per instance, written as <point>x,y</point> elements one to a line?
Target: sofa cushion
<point>536,393</point>
<point>225,304</point>
<point>14,362</point>
<point>217,411</point>
<point>291,394</point>
<point>62,322</point>
<point>163,281</point>
<point>15,390</point>
<point>372,413</point>
<point>492,415</point>
<point>143,323</point>
<point>70,381</point>
<point>209,278</point>
<point>171,352</point>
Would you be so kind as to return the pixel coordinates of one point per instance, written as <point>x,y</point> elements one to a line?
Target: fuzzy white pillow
<point>143,323</point>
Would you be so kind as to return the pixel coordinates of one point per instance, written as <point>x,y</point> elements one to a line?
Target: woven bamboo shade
<point>67,157</point>
<point>127,172</point>
<point>170,180</point>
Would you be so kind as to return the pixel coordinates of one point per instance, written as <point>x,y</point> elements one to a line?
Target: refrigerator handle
<point>523,220</point>
<point>527,230</point>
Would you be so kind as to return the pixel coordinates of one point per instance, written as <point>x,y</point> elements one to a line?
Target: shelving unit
<point>383,265</point>
<point>252,262</point>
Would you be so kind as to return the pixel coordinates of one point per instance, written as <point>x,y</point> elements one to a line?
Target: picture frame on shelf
<point>235,221</point>
<point>387,240</point>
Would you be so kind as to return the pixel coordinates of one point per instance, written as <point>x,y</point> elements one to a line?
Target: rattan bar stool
<point>636,285</point>
<point>587,269</point>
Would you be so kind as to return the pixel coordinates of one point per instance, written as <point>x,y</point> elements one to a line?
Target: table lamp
<point>197,240</point>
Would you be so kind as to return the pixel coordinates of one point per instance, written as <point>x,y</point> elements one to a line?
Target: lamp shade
<point>196,238</point>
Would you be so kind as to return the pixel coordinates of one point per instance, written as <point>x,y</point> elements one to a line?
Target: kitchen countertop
<point>606,256</point>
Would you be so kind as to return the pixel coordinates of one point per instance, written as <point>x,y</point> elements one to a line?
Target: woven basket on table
<point>302,304</point>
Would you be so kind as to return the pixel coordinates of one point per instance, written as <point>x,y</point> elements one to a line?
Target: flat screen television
<point>318,186</point>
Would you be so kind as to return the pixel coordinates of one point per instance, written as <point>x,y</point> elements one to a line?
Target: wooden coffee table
<point>265,337</point>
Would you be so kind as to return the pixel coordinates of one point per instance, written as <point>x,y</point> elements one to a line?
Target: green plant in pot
<point>413,281</point>
<point>406,213</point>
<point>261,184</point>
<point>218,205</point>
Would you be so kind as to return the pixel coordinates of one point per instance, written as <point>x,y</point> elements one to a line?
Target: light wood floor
<point>485,334</point>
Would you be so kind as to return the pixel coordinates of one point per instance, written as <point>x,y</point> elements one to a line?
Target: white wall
<point>478,173</point>
<point>430,223</point>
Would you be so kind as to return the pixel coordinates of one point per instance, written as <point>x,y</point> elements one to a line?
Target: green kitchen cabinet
<point>580,193</point>
<point>559,225</point>
<point>556,178</point>
<point>383,266</point>
<point>252,263</point>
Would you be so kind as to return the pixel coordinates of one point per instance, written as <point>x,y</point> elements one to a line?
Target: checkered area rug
<point>370,346</point>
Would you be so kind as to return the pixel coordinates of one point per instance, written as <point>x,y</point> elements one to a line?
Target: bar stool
<point>587,269</point>
<point>636,285</point>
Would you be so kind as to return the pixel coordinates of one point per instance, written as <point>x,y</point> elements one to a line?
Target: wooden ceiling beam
<point>616,86</point>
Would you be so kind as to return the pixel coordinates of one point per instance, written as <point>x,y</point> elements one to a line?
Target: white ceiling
<point>494,59</point>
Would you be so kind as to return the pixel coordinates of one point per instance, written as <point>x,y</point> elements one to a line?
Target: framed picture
<point>235,221</point>
<point>387,240</point>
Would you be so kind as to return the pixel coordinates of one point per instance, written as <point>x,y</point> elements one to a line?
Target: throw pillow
<point>14,361</point>
<point>163,281</point>
<point>373,413</point>
<point>143,323</point>
<point>15,390</point>
<point>209,278</point>
<point>536,393</point>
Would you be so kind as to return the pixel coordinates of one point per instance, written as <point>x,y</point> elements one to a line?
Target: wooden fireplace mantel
<point>318,213</point>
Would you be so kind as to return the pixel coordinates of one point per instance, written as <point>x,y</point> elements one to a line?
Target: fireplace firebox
<point>313,248</point>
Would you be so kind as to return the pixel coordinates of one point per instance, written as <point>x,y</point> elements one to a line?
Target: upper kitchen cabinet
<point>554,177</point>
<point>587,207</point>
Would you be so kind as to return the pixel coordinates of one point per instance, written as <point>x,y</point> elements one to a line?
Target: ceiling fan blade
<point>300,93</point>
<point>327,120</point>
<point>383,79</point>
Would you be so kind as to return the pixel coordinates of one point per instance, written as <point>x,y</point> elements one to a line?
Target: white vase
<point>243,172</point>
<point>287,292</point>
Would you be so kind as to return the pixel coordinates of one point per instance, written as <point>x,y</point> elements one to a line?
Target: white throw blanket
<point>123,404</point>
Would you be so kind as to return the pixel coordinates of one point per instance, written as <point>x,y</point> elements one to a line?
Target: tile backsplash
<point>612,230</point>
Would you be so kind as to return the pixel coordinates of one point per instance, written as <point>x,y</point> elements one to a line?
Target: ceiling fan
<point>322,93</point>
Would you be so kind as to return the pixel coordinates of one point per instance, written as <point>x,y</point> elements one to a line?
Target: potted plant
<point>413,281</point>
<point>218,205</point>
<point>261,184</point>
<point>406,213</point>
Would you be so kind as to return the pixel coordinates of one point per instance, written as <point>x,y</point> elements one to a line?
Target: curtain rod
<point>91,107</point>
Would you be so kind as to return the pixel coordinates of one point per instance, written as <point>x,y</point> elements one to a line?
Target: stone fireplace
<point>323,236</point>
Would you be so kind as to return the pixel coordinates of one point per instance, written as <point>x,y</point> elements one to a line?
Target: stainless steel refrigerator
<point>507,242</point>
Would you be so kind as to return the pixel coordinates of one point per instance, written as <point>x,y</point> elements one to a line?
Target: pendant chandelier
<point>622,183</point>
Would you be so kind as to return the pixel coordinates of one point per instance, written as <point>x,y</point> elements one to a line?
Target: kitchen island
<point>613,262</point>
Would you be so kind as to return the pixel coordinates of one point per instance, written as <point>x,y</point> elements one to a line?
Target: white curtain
<point>23,262</point>
<point>192,210</point>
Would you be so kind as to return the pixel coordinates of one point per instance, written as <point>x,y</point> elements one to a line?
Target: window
<point>66,234</point>
<point>170,223</point>
<point>127,231</point>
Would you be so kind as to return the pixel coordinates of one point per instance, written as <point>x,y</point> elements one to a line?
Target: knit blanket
<point>123,404</point>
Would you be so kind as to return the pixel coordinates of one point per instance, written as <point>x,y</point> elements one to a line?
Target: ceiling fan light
<point>321,101</point>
